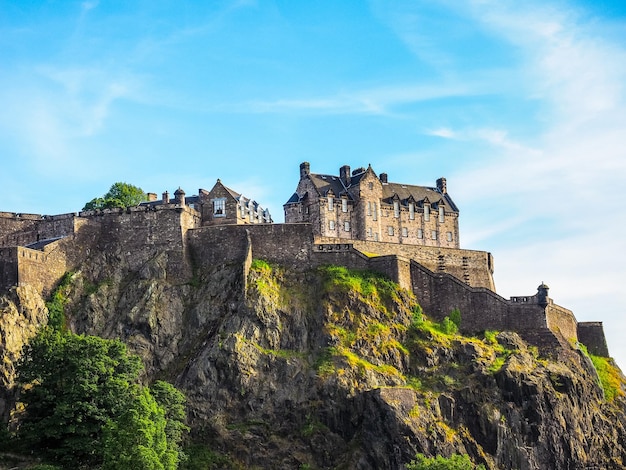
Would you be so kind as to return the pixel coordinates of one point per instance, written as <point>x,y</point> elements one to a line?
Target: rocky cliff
<point>328,369</point>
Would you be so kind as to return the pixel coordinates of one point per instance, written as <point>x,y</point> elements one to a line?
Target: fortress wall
<point>23,229</point>
<point>591,334</point>
<point>8,268</point>
<point>34,270</point>
<point>481,309</point>
<point>561,320</point>
<point>475,268</point>
<point>286,244</point>
<point>396,268</point>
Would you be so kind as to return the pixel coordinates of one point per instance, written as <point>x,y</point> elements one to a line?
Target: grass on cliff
<point>369,284</point>
<point>57,301</point>
<point>611,379</point>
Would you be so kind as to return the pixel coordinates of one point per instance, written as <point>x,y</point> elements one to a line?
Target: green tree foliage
<point>173,402</point>
<point>455,317</point>
<point>81,401</point>
<point>119,195</point>
<point>137,438</point>
<point>456,462</point>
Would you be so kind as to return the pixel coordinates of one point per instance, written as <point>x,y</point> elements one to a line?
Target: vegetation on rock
<point>83,406</point>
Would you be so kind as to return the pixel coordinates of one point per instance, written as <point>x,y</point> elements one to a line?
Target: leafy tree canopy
<point>119,195</point>
<point>84,408</point>
<point>456,462</point>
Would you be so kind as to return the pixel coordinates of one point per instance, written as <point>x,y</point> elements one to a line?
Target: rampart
<point>443,279</point>
<point>475,268</point>
<point>25,229</point>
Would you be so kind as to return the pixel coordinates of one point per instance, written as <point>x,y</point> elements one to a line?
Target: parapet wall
<point>482,309</point>
<point>591,334</point>
<point>24,229</point>
<point>475,268</point>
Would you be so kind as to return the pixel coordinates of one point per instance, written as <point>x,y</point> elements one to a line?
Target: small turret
<point>179,196</point>
<point>166,197</point>
<point>542,295</point>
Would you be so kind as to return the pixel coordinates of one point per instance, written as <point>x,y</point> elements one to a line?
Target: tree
<point>80,394</point>
<point>119,195</point>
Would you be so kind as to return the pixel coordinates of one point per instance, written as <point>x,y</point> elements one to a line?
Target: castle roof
<point>419,193</point>
<point>327,183</point>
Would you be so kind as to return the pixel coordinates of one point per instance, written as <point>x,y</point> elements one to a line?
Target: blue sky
<point>520,105</point>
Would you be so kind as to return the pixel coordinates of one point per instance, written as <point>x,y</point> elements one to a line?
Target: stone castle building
<point>363,206</point>
<point>221,205</point>
<point>356,219</point>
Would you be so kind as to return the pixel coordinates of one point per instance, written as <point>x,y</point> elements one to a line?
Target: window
<point>369,232</point>
<point>412,211</point>
<point>426,213</point>
<point>396,209</point>
<point>405,232</point>
<point>449,236</point>
<point>344,205</point>
<point>420,233</point>
<point>242,210</point>
<point>390,230</point>
<point>369,208</point>
<point>331,225</point>
<point>442,215</point>
<point>433,234</point>
<point>376,236</point>
<point>375,214</point>
<point>219,207</point>
<point>331,203</point>
<point>370,186</point>
<point>346,226</point>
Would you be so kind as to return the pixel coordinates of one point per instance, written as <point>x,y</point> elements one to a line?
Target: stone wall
<point>24,229</point>
<point>8,268</point>
<point>591,334</point>
<point>475,268</point>
<point>482,309</point>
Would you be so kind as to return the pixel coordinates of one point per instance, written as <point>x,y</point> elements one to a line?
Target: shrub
<point>456,462</point>
<point>455,317</point>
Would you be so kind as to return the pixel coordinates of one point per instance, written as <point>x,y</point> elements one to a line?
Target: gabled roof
<point>324,183</point>
<point>419,193</point>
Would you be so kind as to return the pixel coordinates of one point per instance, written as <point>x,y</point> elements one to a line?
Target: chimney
<point>441,185</point>
<point>383,177</point>
<point>166,197</point>
<point>151,197</point>
<point>305,169</point>
<point>344,174</point>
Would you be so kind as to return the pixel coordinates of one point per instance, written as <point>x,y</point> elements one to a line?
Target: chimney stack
<point>441,185</point>
<point>344,174</point>
<point>305,169</point>
<point>383,177</point>
<point>166,197</point>
<point>151,197</point>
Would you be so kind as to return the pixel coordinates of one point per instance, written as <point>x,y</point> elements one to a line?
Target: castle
<point>356,219</point>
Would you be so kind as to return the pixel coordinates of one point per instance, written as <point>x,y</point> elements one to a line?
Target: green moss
<point>56,303</point>
<point>610,377</point>
<point>200,457</point>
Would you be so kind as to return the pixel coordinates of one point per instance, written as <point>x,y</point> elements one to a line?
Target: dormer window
<point>219,207</point>
<point>344,204</point>
<point>331,203</point>
<point>426,212</point>
<point>396,209</point>
<point>412,211</point>
<point>442,215</point>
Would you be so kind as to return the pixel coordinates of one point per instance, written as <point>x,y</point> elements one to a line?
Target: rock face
<point>330,369</point>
